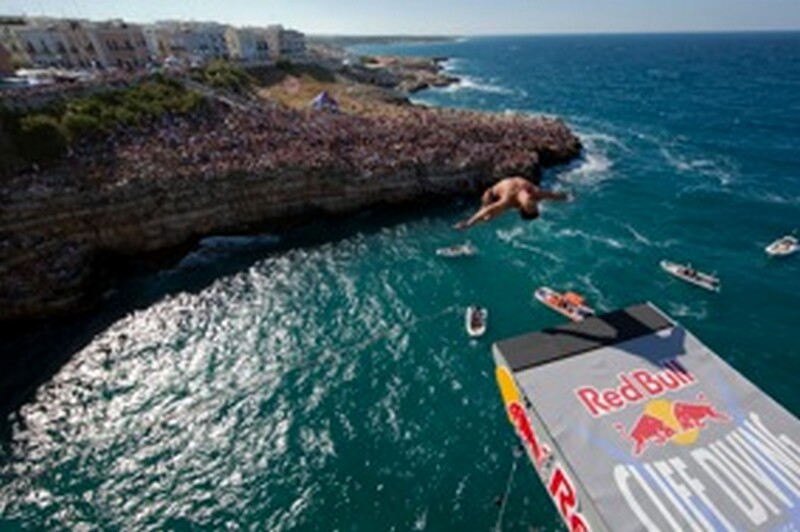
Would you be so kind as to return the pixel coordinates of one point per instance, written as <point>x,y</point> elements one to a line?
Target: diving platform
<point>632,423</point>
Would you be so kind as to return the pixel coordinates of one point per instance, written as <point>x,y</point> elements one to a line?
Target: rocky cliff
<point>58,230</point>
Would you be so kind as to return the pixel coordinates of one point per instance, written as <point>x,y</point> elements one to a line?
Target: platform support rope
<point>499,524</point>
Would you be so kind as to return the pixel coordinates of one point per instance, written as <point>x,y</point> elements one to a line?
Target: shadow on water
<point>33,351</point>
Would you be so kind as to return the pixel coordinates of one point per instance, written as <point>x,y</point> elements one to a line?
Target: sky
<point>442,17</point>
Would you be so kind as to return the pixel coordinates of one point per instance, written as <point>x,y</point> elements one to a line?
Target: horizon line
<point>553,33</point>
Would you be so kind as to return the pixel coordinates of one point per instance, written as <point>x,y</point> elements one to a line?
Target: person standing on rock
<point>511,193</point>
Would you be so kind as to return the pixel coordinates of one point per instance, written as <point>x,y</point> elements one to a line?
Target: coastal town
<point>74,44</point>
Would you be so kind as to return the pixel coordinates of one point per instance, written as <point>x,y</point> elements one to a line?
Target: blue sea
<point>320,378</point>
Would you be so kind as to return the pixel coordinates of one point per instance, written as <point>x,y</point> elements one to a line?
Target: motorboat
<point>783,247</point>
<point>476,320</point>
<point>569,304</point>
<point>689,274</point>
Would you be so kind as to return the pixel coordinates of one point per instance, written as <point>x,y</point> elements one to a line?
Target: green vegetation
<point>223,75</point>
<point>103,112</point>
<point>9,159</point>
<point>40,138</point>
<point>44,136</point>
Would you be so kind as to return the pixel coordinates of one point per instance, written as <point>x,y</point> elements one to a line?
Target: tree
<point>78,125</point>
<point>41,139</point>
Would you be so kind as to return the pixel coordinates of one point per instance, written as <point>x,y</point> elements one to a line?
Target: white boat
<point>687,273</point>
<point>475,320</point>
<point>459,250</point>
<point>783,247</point>
<point>569,304</point>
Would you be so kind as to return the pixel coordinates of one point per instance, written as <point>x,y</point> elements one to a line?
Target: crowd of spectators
<point>274,140</point>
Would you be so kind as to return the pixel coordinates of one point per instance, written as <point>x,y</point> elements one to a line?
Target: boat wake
<point>595,295</point>
<point>680,310</point>
<point>513,237</point>
<point>577,233</point>
<point>640,238</point>
<point>724,172</point>
<point>508,235</point>
<point>546,254</point>
<point>775,199</point>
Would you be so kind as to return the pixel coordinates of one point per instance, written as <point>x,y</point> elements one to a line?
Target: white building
<point>82,49</point>
<point>118,44</point>
<point>73,43</point>
<point>69,43</point>
<point>285,44</point>
<point>206,40</point>
<point>44,45</point>
<point>248,45</point>
<point>10,40</point>
<point>192,41</point>
<point>6,66</point>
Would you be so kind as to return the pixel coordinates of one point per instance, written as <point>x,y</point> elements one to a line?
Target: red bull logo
<point>663,421</point>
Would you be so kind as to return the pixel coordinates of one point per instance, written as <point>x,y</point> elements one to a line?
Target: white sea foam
<point>591,169</point>
<point>452,64</point>
<point>594,165</point>
<point>595,297</point>
<point>698,188</point>
<point>537,251</point>
<point>642,239</point>
<point>507,235</point>
<point>421,521</point>
<point>513,237</point>
<point>595,138</point>
<point>638,236</point>
<point>469,83</point>
<point>721,170</point>
<point>681,310</point>
<point>577,233</point>
<point>776,199</point>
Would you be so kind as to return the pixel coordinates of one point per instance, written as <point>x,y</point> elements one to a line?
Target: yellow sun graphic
<point>662,409</point>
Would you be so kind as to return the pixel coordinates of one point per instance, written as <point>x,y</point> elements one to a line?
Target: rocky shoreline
<point>61,229</point>
<point>415,74</point>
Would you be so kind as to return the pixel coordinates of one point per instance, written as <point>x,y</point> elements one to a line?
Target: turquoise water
<point>324,380</point>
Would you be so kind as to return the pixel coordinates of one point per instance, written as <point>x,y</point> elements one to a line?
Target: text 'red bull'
<point>538,451</point>
<point>633,387</point>
<point>560,487</point>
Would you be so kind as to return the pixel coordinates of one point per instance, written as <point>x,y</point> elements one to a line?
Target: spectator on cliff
<point>511,193</point>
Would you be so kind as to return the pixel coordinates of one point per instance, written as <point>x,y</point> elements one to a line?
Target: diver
<point>512,193</point>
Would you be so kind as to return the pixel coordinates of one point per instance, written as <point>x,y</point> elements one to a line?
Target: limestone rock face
<point>55,230</point>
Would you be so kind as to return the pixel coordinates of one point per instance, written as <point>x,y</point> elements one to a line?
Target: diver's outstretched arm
<point>484,214</point>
